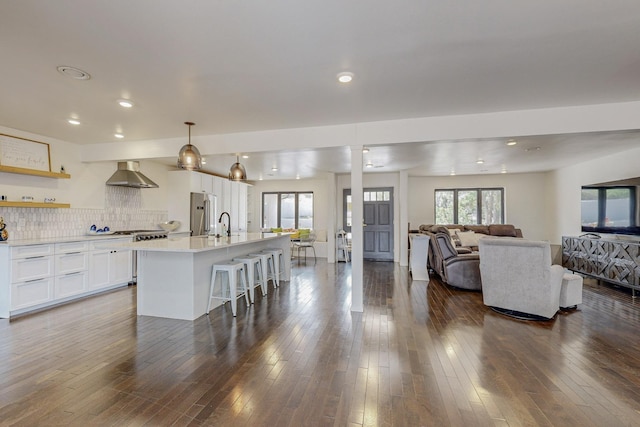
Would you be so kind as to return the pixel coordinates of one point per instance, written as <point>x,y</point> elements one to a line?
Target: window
<point>470,206</point>
<point>377,195</point>
<point>287,210</point>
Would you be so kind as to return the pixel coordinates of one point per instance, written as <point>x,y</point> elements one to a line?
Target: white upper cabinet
<point>230,197</point>
<point>202,182</point>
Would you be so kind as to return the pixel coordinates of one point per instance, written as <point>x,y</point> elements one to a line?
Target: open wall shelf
<point>33,205</point>
<point>23,171</point>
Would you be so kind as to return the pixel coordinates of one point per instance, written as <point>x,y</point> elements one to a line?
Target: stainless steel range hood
<point>129,175</point>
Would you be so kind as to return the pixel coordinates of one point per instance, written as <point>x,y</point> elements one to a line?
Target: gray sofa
<point>456,264</point>
<point>455,268</point>
<point>518,278</point>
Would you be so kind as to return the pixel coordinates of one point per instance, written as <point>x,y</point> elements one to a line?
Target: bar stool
<point>255,278</point>
<point>278,261</point>
<point>231,269</point>
<point>268,268</point>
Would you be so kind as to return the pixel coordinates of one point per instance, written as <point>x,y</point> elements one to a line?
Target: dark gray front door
<point>378,222</point>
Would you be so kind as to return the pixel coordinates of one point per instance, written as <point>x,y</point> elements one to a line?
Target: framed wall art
<point>24,153</point>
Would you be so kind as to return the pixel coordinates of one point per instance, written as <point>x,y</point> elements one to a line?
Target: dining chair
<point>304,243</point>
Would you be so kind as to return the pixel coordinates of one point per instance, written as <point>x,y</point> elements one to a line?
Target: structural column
<point>331,217</point>
<point>403,198</point>
<point>357,219</point>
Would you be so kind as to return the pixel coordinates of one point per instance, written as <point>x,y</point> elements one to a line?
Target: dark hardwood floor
<point>419,355</point>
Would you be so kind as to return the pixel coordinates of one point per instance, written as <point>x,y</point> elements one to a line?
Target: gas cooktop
<point>129,232</point>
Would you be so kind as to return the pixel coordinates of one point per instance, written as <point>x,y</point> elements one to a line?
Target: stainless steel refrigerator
<point>204,214</point>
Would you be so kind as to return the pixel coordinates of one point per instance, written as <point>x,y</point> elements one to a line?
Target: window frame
<point>296,207</point>
<point>478,191</point>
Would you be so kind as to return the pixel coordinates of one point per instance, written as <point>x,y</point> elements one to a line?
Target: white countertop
<point>46,241</point>
<point>197,244</point>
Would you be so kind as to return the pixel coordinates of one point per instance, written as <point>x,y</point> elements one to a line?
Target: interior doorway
<point>378,222</point>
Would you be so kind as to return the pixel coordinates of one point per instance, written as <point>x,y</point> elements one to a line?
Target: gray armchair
<point>518,278</point>
<point>459,268</point>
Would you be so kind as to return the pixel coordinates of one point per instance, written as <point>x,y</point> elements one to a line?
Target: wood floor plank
<point>421,354</point>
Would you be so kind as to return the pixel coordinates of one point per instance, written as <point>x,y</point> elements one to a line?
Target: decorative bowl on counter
<point>93,230</point>
<point>170,225</point>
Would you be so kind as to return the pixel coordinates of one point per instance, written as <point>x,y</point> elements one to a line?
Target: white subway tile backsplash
<point>123,212</point>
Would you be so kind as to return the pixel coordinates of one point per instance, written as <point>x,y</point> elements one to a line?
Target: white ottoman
<point>571,290</point>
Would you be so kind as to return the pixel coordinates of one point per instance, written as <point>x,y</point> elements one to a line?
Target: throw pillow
<point>454,237</point>
<point>304,233</point>
<point>468,238</point>
<point>507,230</point>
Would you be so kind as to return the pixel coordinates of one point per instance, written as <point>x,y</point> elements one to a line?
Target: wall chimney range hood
<point>129,175</point>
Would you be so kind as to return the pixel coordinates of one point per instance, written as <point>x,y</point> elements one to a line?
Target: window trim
<point>296,207</point>
<point>479,191</point>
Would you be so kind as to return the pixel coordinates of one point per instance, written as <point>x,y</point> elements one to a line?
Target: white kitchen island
<point>174,274</point>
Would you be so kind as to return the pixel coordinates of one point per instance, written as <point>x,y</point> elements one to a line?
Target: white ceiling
<point>238,66</point>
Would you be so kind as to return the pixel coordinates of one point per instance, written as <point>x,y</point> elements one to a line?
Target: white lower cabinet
<point>120,267</point>
<point>31,293</point>
<point>109,267</point>
<point>31,276</point>
<point>31,268</point>
<point>99,269</point>
<point>35,276</point>
<point>70,284</point>
<point>72,264</point>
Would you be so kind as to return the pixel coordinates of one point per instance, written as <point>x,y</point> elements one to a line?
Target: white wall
<point>526,199</point>
<point>565,185</point>
<point>86,187</point>
<point>92,202</point>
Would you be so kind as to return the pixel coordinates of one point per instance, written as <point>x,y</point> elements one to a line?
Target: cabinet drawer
<point>31,268</point>
<point>71,262</point>
<point>102,244</point>
<point>31,251</point>
<point>68,247</point>
<point>30,293</point>
<point>70,284</point>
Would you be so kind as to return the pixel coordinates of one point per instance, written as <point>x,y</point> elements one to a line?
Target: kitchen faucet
<point>229,218</point>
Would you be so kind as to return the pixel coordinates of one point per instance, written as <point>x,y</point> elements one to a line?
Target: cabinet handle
<point>72,253</point>
<point>35,257</point>
<point>34,280</point>
<point>74,273</point>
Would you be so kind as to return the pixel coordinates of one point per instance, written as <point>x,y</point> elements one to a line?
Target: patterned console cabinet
<point>615,261</point>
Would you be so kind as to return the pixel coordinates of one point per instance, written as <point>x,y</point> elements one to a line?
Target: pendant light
<point>189,157</point>
<point>237,171</point>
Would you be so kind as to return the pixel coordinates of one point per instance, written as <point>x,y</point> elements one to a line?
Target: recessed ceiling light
<point>73,121</point>
<point>369,165</point>
<point>452,173</point>
<point>503,171</point>
<point>73,72</point>
<point>245,156</point>
<point>297,176</point>
<point>365,150</point>
<point>345,77</point>
<point>479,161</point>
<point>511,142</point>
<point>204,161</point>
<point>126,103</point>
<point>118,135</point>
<point>274,169</point>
